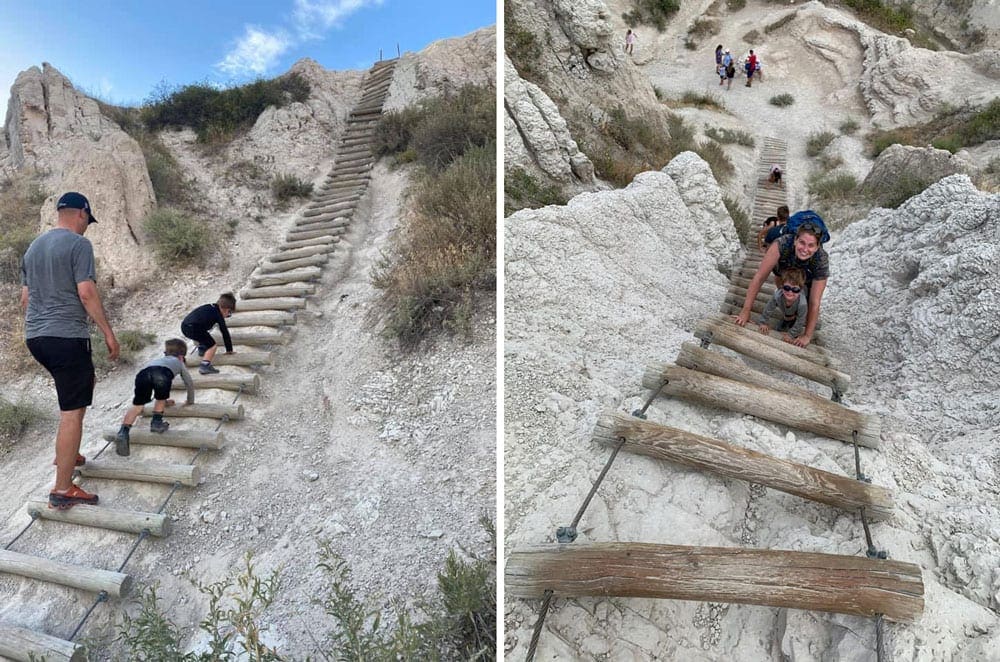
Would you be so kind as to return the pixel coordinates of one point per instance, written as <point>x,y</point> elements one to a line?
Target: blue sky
<point>121,51</point>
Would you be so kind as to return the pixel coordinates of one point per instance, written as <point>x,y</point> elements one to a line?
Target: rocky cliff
<point>911,310</point>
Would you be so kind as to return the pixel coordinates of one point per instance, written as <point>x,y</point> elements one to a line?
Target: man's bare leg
<point>68,446</point>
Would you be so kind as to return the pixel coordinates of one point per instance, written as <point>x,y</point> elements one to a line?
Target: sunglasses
<point>791,288</point>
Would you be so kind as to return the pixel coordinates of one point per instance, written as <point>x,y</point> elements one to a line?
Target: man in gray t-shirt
<point>58,293</point>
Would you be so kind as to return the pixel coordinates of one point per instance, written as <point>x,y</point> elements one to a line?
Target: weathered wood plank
<point>327,241</point>
<point>813,352</point>
<point>245,382</point>
<point>254,338</point>
<point>298,235</point>
<point>297,253</point>
<point>200,410</point>
<point>693,357</point>
<point>828,419</point>
<point>748,342</point>
<point>289,290</point>
<point>725,459</point>
<point>271,303</point>
<point>175,438</point>
<point>774,578</point>
<point>129,521</point>
<point>295,276</point>
<point>270,267</point>
<point>75,576</point>
<point>245,358</point>
<point>24,645</point>
<point>146,472</point>
<point>261,318</point>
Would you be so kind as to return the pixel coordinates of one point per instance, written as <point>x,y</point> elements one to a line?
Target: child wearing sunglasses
<point>786,311</point>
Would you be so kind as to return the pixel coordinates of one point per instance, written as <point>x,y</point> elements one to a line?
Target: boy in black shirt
<point>200,321</point>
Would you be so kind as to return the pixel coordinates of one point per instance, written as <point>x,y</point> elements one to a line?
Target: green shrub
<point>837,186</point>
<point>444,253</point>
<point>886,18</point>
<point>703,27</point>
<point>217,114</point>
<point>702,100</point>
<point>741,220</point>
<point>16,418</point>
<point>522,47</point>
<point>451,124</point>
<point>129,340</point>
<point>817,142</point>
<point>394,131</point>
<point>21,198</point>
<point>781,22</point>
<point>176,237</point>
<point>900,189</point>
<point>752,37</point>
<point>849,126</point>
<point>651,12</point>
<point>715,156</point>
<point>681,136</point>
<point>828,163</point>
<point>782,100</point>
<point>728,136</point>
<point>736,5</point>
<point>522,190</point>
<point>284,187</point>
<point>951,143</point>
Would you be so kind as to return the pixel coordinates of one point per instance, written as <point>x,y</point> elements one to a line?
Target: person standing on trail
<point>629,41</point>
<point>58,293</point>
<point>718,57</point>
<point>804,251</point>
<point>751,66</point>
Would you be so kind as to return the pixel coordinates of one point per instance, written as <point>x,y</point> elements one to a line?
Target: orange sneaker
<point>71,497</point>
<point>80,460</point>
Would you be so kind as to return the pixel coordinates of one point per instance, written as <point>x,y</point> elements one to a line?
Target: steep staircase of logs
<point>869,586</point>
<point>278,287</point>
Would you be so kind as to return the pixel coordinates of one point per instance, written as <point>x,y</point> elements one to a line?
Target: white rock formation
<point>959,21</point>
<point>536,135</point>
<point>444,66</point>
<point>901,163</point>
<point>601,287</point>
<point>55,130</point>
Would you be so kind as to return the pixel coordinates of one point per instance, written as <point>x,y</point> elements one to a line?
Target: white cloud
<point>255,52</point>
<point>105,87</point>
<point>312,18</point>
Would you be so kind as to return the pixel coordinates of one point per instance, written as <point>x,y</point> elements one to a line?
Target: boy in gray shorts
<point>154,382</point>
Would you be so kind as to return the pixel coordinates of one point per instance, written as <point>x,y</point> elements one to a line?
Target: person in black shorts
<point>153,382</point>
<point>58,294</point>
<point>200,321</point>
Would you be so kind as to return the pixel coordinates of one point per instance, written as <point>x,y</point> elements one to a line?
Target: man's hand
<point>764,328</point>
<point>742,319</point>
<point>802,341</point>
<point>113,348</point>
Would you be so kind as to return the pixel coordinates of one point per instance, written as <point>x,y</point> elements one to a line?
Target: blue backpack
<point>807,216</point>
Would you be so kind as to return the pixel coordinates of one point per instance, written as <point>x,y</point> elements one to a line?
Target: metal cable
<point>538,626</point>
<point>23,531</point>
<point>881,651</point>
<point>597,484</point>
<point>101,597</point>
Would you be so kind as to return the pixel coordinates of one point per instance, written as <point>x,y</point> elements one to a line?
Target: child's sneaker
<point>208,369</point>
<point>122,442</point>
<point>159,425</point>
<point>70,498</point>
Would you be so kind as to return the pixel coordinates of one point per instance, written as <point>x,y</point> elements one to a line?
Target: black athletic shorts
<point>199,335</point>
<point>152,382</point>
<point>68,361</point>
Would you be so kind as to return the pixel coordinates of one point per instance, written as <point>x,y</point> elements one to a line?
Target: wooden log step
<point>128,521</point>
<point>318,241</point>
<point>273,303</point>
<point>246,358</point>
<point>290,255</point>
<point>95,580</point>
<point>146,472</point>
<point>341,170</point>
<point>324,209</point>
<point>748,342</point>
<point>821,417</point>
<point>245,382</point>
<point>340,219</point>
<point>268,267</point>
<point>739,294</point>
<point>294,276</point>
<point>24,645</point>
<point>290,290</point>
<point>253,337</point>
<point>173,438</point>
<point>338,196</point>
<point>298,235</point>
<point>774,578</point>
<point>767,287</point>
<point>813,352</point>
<point>732,306</point>
<point>352,190</point>
<point>339,182</point>
<point>731,461</point>
<point>694,357</point>
<point>261,318</point>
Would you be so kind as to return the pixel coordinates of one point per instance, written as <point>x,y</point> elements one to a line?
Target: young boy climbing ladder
<point>200,321</point>
<point>154,382</point>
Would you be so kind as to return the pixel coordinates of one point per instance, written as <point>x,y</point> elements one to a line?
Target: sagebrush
<point>177,237</point>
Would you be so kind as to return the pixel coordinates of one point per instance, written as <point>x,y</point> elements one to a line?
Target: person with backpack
<point>800,246</point>
<point>730,71</point>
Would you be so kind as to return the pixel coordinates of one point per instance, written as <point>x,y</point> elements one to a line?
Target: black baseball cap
<point>73,200</point>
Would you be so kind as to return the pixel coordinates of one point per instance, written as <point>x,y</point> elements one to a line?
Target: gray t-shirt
<point>53,265</point>
<point>175,365</point>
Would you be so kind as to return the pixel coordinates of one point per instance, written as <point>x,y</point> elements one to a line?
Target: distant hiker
<point>730,73</point>
<point>727,58</point>
<point>775,175</point>
<point>721,70</point>
<point>769,223</point>
<point>630,38</point>
<point>718,57</point>
<point>787,309</point>
<point>200,321</point>
<point>758,72</point>
<point>802,250</point>
<point>751,66</point>
<point>58,293</point>
<point>777,230</point>
<point>153,382</point>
